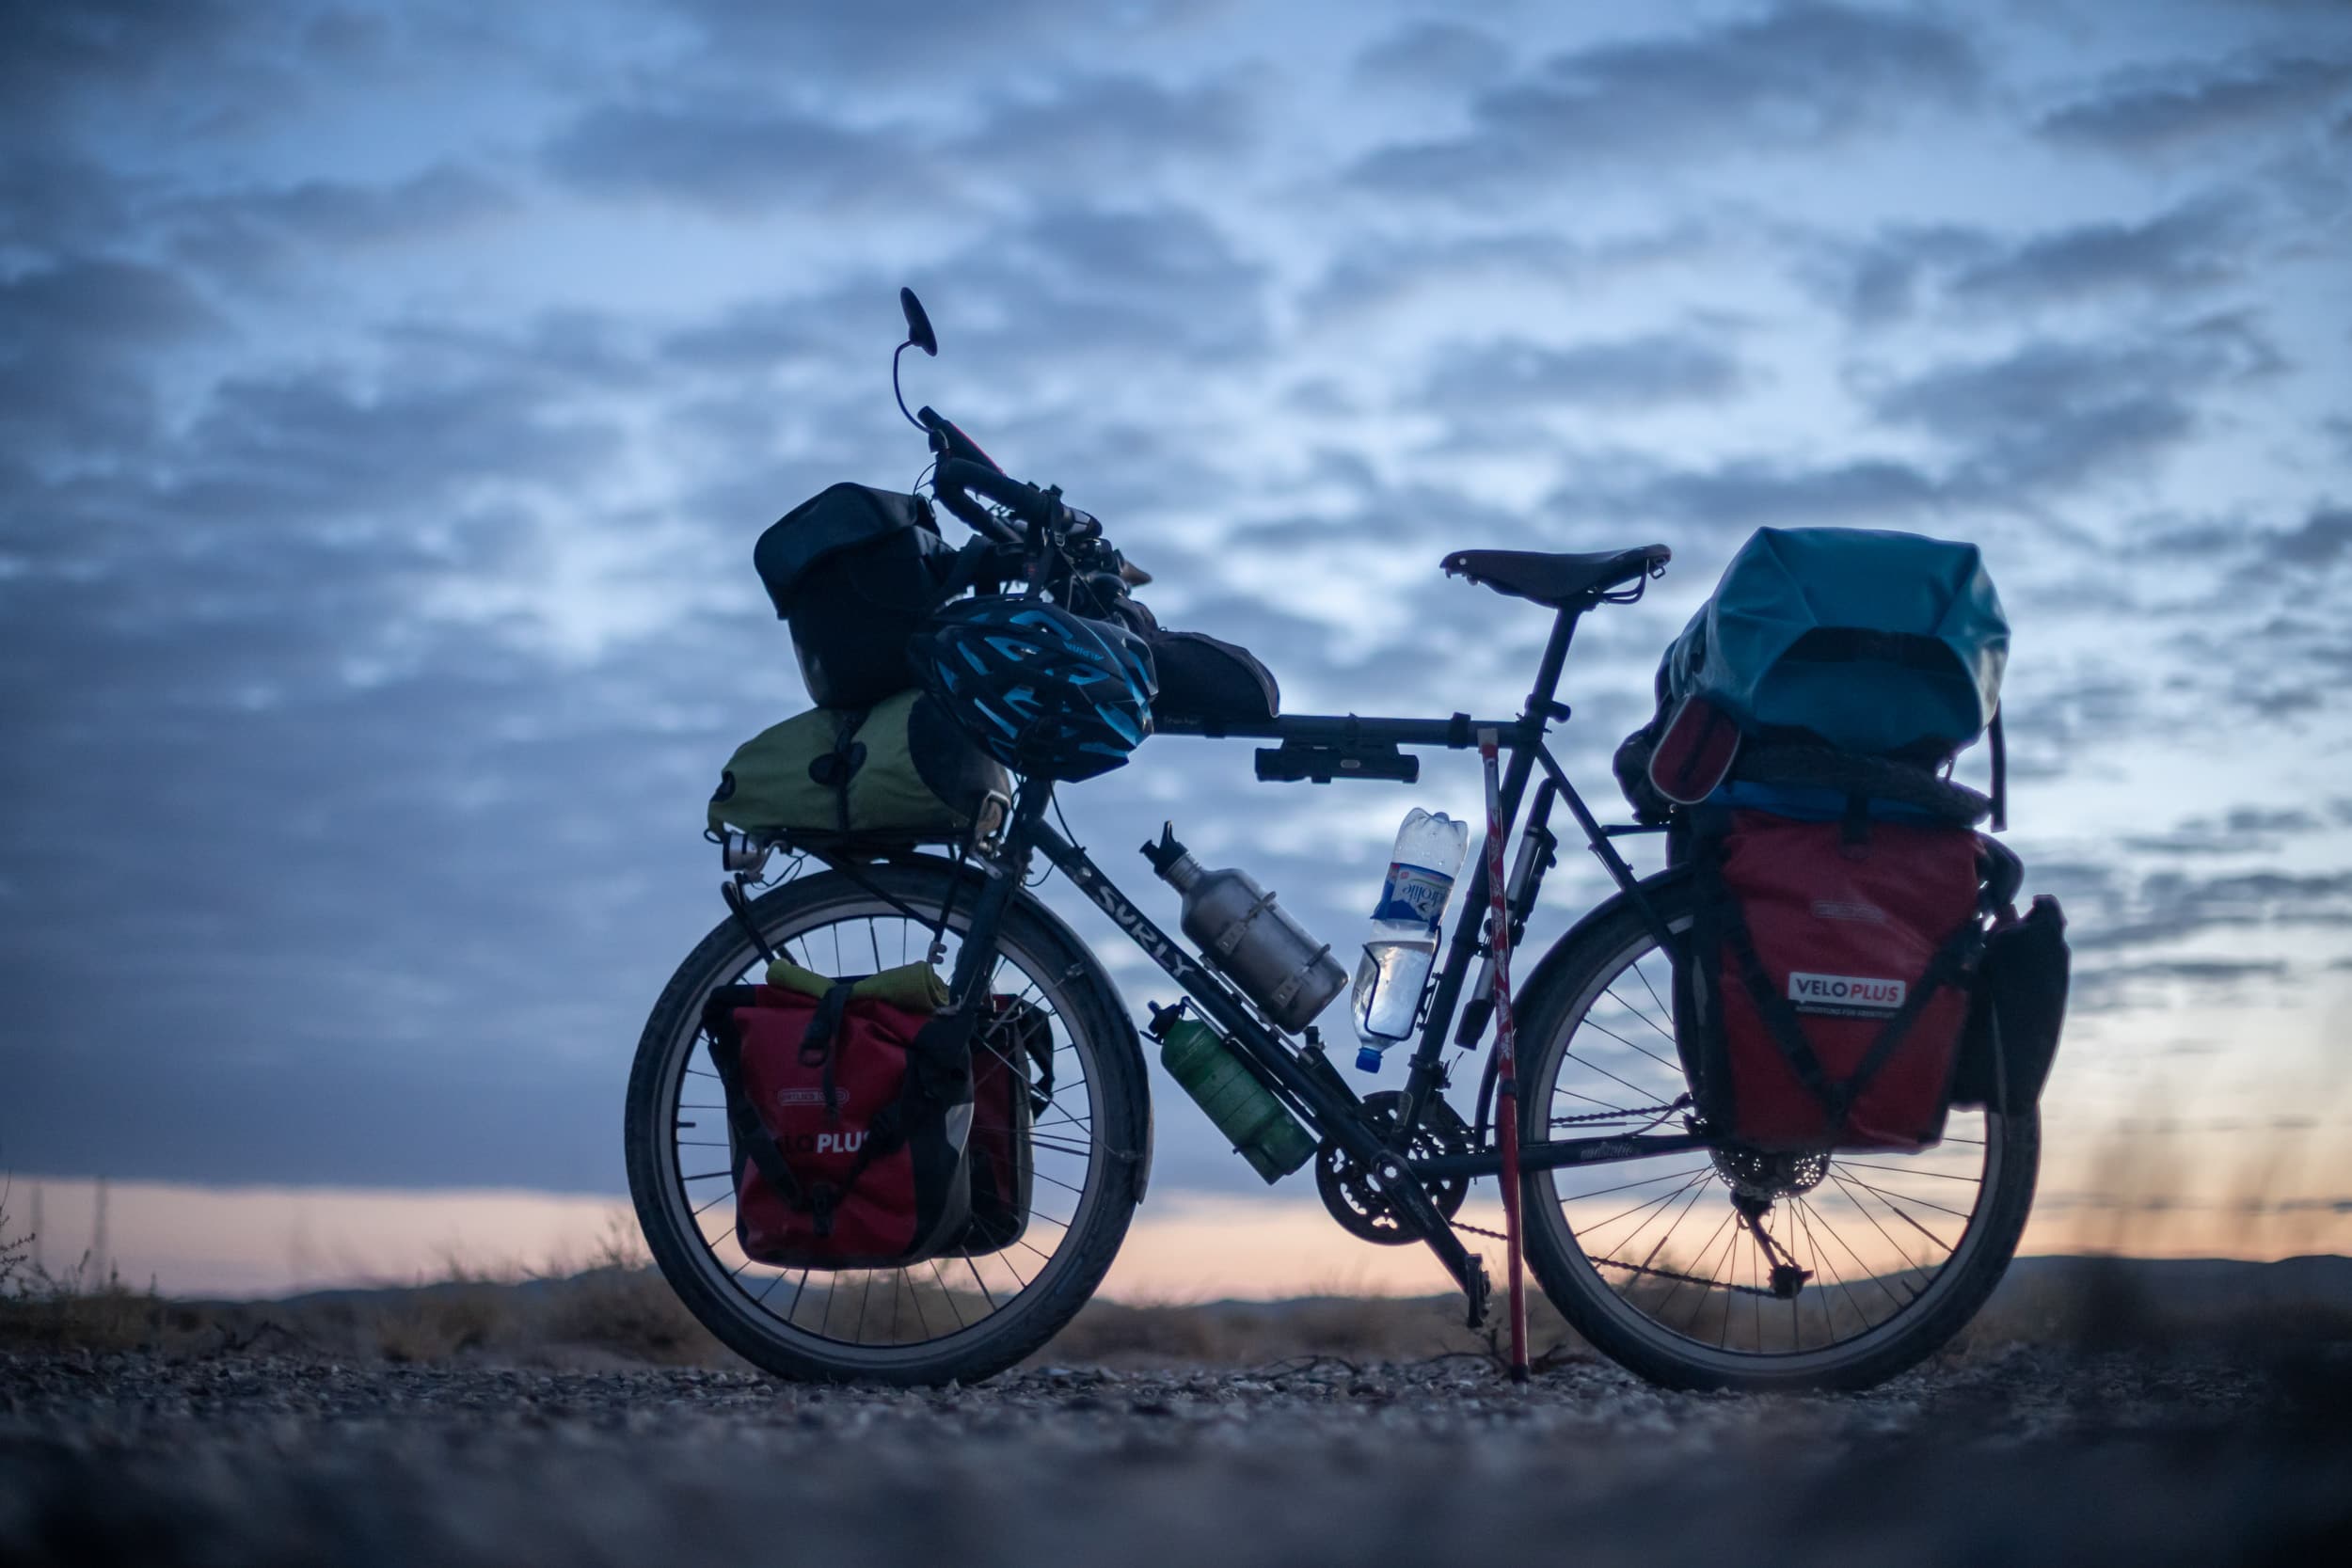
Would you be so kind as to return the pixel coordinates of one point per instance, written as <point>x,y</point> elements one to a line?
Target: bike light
<point>736,852</point>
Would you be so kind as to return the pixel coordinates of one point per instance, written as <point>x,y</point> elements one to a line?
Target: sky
<point>390,396</point>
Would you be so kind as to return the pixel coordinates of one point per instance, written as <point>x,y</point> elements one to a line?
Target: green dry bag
<point>901,771</point>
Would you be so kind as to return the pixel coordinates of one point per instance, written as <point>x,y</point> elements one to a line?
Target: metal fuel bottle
<point>1249,938</point>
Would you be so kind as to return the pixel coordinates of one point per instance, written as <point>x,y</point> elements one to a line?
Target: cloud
<point>1112,127</point>
<point>2182,107</point>
<point>737,159</point>
<point>1608,373</point>
<point>2190,249</point>
<point>327,796</point>
<point>1741,493</point>
<point>755,154</point>
<point>1156,280</point>
<point>2058,413</point>
<point>1432,56</point>
<point>882,46</point>
<point>1799,77</point>
<point>2193,247</point>
<point>431,202</point>
<point>61,57</point>
<point>79,342</point>
<point>2243,830</point>
<point>2169,905</point>
<point>2325,538</point>
<point>1386,276</point>
<point>55,201</point>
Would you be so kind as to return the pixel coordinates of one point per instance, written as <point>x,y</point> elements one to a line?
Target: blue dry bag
<point>1881,643</point>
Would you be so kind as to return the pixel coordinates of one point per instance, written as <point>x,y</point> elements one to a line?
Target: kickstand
<point>1505,1051</point>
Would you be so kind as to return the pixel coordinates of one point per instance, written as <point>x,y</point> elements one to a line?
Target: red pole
<point>1506,1052</point>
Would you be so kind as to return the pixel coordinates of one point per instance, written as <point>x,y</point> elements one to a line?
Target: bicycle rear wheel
<point>960,1317</point>
<point>1654,1263</point>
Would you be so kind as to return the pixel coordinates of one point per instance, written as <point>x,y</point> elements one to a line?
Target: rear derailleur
<point>1758,1179</point>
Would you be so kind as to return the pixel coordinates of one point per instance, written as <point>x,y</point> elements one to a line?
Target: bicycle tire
<point>1093,1013</point>
<point>1572,977</point>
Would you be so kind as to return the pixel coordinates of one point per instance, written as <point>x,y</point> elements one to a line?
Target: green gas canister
<point>1204,1063</point>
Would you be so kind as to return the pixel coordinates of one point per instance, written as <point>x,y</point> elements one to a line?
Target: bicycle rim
<point>876,1320</point>
<point>1663,1271</point>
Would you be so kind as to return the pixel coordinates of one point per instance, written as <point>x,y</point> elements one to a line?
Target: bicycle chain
<point>1678,1104</point>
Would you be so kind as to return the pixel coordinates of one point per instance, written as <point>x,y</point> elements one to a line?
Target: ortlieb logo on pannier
<point>1812,1026</point>
<point>849,1120</point>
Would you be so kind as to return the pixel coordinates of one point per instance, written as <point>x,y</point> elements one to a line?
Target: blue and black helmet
<point>1047,693</point>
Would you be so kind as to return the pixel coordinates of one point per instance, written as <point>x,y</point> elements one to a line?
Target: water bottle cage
<point>1228,942</point>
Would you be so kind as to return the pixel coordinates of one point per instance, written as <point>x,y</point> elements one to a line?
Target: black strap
<point>970,562</point>
<point>1950,965</point>
<point>837,768</point>
<point>1782,1021</point>
<point>1780,1016</point>
<point>1999,744</point>
<point>1849,644</point>
<point>820,1040</point>
<point>743,1118</point>
<point>1018,1022</point>
<point>1854,826</point>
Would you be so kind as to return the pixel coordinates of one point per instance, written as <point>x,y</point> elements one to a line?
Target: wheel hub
<point>1753,1173</point>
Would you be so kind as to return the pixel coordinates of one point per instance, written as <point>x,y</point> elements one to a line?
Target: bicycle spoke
<point>1628,1044</point>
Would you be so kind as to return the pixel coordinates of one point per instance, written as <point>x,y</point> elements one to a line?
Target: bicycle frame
<point>1304,1078</point>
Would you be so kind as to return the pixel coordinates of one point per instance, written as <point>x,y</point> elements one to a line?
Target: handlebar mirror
<point>919,331</point>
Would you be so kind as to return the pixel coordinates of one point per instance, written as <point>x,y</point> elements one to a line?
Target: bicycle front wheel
<point>966,1315</point>
<point>1655,1264</point>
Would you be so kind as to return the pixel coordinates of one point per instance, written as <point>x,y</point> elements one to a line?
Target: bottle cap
<point>1367,1059</point>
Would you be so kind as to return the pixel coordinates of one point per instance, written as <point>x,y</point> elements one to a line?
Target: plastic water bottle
<point>1402,945</point>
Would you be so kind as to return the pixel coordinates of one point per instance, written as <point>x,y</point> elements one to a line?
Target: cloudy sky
<point>390,396</point>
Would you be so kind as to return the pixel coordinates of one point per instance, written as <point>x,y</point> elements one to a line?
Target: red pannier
<point>848,1124</point>
<point>1834,963</point>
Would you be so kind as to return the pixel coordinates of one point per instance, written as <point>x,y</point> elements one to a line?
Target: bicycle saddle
<point>1557,580</point>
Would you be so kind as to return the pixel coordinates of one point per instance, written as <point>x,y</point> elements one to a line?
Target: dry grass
<point>610,1305</point>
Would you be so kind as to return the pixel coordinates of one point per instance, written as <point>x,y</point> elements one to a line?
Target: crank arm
<point>1411,1202</point>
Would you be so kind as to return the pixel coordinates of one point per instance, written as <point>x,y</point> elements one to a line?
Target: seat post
<point>1539,699</point>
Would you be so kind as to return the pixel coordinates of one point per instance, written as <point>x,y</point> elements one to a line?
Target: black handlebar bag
<point>854,571</point>
<point>1829,977</point>
<point>1207,686</point>
<point>849,1124</point>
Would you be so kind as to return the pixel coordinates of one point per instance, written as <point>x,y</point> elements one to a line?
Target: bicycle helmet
<point>1045,693</point>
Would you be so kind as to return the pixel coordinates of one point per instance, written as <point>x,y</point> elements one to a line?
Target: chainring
<point>1347,1188</point>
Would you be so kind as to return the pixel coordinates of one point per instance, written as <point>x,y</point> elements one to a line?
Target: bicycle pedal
<point>1478,1288</point>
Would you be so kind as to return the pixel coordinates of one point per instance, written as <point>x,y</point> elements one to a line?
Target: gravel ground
<point>2029,1457</point>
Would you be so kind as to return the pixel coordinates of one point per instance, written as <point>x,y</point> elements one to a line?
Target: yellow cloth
<point>915,986</point>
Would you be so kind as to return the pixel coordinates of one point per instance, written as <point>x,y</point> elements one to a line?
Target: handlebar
<point>964,470</point>
<point>1024,501</point>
